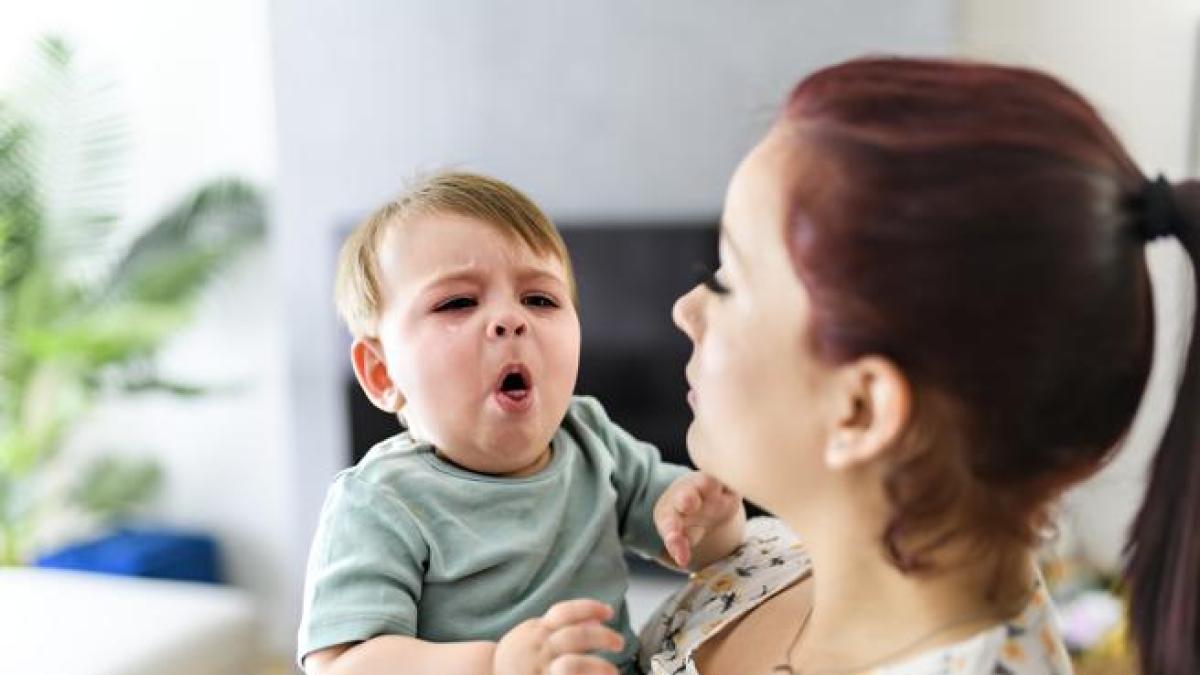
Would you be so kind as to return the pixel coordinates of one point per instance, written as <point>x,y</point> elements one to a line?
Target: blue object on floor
<point>143,552</point>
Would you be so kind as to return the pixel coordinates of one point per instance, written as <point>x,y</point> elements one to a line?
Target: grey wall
<point>597,109</point>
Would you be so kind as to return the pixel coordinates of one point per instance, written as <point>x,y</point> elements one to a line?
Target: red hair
<point>977,225</point>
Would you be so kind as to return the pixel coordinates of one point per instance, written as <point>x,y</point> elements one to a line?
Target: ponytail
<point>1163,549</point>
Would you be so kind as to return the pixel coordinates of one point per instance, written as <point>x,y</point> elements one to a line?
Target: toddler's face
<point>481,339</point>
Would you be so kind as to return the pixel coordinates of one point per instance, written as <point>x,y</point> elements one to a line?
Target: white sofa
<point>55,622</point>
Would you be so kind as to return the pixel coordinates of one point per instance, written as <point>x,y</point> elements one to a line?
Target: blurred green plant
<point>85,302</point>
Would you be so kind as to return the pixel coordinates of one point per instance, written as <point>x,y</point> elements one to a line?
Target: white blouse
<point>772,558</point>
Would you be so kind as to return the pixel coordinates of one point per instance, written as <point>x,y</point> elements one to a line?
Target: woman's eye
<point>455,304</point>
<point>708,277</point>
<point>714,284</point>
<point>540,301</point>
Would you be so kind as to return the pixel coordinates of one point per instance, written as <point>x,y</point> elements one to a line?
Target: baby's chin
<point>499,461</point>
<point>500,455</point>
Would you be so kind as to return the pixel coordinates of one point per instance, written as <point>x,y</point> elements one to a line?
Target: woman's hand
<point>699,519</point>
<point>559,642</point>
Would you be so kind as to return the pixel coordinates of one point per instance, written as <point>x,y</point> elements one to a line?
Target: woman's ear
<point>370,367</point>
<point>877,407</point>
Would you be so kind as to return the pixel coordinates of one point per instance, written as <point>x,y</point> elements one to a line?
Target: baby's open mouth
<point>515,382</point>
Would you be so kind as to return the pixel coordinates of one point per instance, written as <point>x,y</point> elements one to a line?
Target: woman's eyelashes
<point>712,283</point>
<point>706,274</point>
<point>708,277</point>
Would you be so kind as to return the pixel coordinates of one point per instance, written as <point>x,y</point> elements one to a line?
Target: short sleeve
<point>365,568</point>
<point>639,476</point>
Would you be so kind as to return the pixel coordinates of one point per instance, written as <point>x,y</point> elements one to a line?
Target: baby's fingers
<point>677,544</point>
<point>575,664</point>
<point>713,500</point>
<point>688,498</point>
<point>672,528</point>
<point>576,611</point>
<point>581,638</point>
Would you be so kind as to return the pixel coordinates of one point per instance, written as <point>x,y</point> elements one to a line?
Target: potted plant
<point>86,301</point>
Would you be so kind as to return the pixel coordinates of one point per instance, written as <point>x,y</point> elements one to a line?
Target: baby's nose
<point>505,326</point>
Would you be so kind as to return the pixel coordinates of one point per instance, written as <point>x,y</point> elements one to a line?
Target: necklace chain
<point>785,666</point>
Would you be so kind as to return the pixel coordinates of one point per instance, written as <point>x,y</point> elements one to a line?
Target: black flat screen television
<point>632,359</point>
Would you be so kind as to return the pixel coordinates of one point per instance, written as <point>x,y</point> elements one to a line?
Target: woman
<point>932,316</point>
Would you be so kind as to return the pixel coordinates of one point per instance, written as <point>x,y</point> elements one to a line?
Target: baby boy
<point>488,536</point>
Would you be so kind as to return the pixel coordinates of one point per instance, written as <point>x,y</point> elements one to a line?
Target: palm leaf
<point>53,399</point>
<point>76,146</point>
<point>183,250</point>
<point>84,311</point>
<point>110,334</point>
<point>173,276</point>
<point>111,487</point>
<point>157,385</point>
<point>20,224</point>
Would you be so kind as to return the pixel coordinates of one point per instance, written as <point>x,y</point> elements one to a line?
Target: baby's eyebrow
<point>525,275</point>
<point>456,275</point>
<point>532,273</point>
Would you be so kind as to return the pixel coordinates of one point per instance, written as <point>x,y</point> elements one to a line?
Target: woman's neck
<point>865,609</point>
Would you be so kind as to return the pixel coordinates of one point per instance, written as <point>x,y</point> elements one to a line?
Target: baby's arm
<point>700,520</point>
<point>393,653</point>
<point>561,638</point>
<point>661,505</point>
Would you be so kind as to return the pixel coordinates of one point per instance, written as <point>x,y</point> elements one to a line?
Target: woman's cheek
<point>719,394</point>
<point>726,366</point>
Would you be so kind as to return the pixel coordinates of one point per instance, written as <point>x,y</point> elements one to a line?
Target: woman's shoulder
<point>770,558</point>
<point>1028,644</point>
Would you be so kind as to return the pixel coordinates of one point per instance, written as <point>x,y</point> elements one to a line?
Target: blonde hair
<point>357,290</point>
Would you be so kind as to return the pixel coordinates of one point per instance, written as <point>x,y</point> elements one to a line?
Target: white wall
<point>195,80</point>
<point>1136,61</point>
<point>598,109</point>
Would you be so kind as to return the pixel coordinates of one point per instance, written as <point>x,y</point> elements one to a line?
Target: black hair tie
<point>1160,216</point>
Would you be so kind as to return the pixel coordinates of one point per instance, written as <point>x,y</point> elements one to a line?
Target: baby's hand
<point>689,509</point>
<point>558,642</point>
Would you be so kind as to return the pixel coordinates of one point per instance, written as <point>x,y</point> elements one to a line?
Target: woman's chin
<point>713,462</point>
<point>698,451</point>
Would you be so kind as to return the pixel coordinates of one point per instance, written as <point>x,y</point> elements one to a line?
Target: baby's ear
<point>370,367</point>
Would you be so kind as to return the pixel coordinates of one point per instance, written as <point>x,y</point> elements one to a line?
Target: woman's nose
<point>683,312</point>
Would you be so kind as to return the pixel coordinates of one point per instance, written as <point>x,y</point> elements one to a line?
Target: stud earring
<point>837,453</point>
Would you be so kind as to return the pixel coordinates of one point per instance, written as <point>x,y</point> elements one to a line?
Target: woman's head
<point>767,407</point>
<point>937,284</point>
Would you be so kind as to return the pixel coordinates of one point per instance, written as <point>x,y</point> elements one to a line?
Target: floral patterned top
<point>772,559</point>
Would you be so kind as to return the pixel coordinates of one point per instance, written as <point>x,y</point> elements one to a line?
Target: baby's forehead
<point>447,243</point>
<point>453,231</point>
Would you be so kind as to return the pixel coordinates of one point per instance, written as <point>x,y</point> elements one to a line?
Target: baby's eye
<point>455,304</point>
<point>539,300</point>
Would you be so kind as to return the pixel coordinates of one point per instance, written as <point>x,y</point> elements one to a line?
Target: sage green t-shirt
<point>409,544</point>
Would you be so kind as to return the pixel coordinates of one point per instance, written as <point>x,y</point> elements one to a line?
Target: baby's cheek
<point>447,371</point>
<point>561,354</point>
